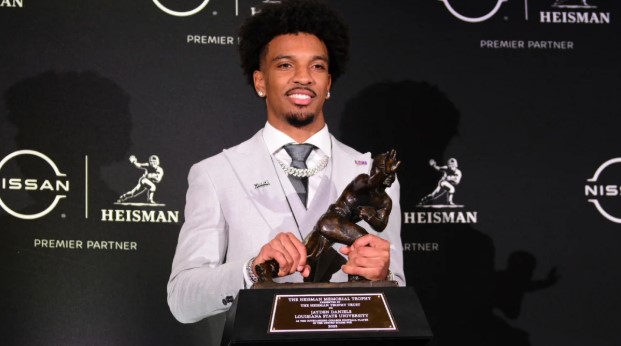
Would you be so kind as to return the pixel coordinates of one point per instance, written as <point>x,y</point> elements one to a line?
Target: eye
<point>319,67</point>
<point>284,65</point>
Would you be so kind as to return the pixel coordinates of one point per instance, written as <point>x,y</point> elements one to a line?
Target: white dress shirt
<point>275,141</point>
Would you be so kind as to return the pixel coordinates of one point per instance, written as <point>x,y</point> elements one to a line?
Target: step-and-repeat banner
<point>505,113</point>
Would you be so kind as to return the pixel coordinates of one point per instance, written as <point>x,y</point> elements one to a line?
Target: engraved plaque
<point>330,312</point>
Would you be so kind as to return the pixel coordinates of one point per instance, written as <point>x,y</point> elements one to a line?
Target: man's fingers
<point>372,274</point>
<point>368,256</point>
<point>306,270</point>
<point>291,252</point>
<point>269,253</point>
<point>285,249</point>
<point>368,251</point>
<point>300,250</point>
<point>365,251</point>
<point>345,250</point>
<point>371,240</point>
<point>367,262</point>
<point>353,270</point>
<point>282,263</point>
<point>279,249</point>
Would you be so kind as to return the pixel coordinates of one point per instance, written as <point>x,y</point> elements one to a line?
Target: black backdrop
<point>525,99</point>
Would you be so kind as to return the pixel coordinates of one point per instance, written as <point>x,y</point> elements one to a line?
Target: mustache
<point>301,88</point>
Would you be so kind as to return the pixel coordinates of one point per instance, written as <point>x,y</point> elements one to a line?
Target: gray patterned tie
<point>299,153</point>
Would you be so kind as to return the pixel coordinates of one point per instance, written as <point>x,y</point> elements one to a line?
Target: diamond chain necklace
<point>303,172</point>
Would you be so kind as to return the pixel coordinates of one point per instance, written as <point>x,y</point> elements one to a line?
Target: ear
<point>259,81</point>
<point>329,82</point>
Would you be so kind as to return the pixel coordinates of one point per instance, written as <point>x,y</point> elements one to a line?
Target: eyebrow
<point>316,57</point>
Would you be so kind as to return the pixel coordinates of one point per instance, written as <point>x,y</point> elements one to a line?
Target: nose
<point>302,76</point>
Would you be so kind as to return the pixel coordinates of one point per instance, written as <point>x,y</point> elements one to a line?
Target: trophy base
<point>347,313</point>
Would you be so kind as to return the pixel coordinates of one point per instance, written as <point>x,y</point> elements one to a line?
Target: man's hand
<point>288,251</point>
<point>133,159</point>
<point>368,256</point>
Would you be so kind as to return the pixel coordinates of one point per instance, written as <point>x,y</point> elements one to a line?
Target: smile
<point>300,96</point>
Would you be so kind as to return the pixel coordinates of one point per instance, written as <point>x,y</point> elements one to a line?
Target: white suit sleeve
<point>201,284</point>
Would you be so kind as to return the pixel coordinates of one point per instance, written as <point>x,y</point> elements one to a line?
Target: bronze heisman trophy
<point>365,198</point>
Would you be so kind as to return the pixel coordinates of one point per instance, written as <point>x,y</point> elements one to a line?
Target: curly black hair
<point>292,17</point>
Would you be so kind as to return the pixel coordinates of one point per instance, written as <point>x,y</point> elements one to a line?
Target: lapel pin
<point>261,184</point>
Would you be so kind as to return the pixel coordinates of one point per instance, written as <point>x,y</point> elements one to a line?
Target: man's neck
<point>299,134</point>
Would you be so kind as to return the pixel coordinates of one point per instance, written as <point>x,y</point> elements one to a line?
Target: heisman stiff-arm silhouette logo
<point>153,174</point>
<point>447,185</point>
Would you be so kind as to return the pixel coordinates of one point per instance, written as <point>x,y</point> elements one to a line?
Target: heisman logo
<point>152,176</point>
<point>473,19</point>
<point>451,177</point>
<point>597,188</point>
<point>181,13</point>
<point>146,187</point>
<point>57,185</point>
<point>442,207</point>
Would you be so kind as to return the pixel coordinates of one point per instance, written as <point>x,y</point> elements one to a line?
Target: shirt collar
<point>276,139</point>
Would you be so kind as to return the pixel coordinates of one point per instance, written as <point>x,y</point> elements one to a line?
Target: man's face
<point>294,77</point>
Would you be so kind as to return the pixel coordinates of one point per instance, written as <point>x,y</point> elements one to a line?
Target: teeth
<point>300,96</point>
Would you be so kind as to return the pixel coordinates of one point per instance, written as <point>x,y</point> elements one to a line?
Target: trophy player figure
<point>153,174</point>
<point>451,176</point>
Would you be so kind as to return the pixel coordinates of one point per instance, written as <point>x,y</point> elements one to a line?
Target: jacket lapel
<point>257,176</point>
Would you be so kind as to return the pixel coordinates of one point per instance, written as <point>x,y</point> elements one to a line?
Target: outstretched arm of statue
<point>384,169</point>
<point>392,164</point>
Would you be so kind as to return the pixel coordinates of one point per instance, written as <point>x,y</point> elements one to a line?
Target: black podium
<point>326,316</point>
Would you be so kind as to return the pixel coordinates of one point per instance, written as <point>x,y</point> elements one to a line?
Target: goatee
<point>300,119</point>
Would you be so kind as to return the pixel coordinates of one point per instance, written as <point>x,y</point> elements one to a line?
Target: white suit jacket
<point>236,202</point>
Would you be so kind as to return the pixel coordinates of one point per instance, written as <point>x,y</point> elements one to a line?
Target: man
<point>153,174</point>
<point>257,201</point>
